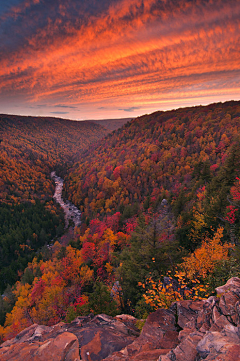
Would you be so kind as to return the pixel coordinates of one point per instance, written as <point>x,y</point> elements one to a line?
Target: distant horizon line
<point>121,118</point>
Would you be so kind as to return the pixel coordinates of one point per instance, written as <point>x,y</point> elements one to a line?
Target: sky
<point>103,59</point>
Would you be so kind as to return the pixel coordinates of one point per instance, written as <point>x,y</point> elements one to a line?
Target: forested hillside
<point>30,148</point>
<point>173,177</point>
<point>33,146</point>
<point>161,155</point>
<point>160,199</point>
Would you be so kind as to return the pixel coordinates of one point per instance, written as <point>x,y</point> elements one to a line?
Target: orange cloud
<point>132,49</point>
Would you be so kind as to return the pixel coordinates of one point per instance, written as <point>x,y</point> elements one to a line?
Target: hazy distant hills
<point>112,124</point>
<point>59,137</point>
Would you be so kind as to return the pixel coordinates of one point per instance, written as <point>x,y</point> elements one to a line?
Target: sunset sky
<point>98,59</point>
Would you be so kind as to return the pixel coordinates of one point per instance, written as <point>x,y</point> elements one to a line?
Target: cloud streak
<point>59,112</point>
<point>98,54</point>
<point>64,106</point>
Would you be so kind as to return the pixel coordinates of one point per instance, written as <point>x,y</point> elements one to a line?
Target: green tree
<point>218,189</point>
<point>100,300</point>
<point>153,250</point>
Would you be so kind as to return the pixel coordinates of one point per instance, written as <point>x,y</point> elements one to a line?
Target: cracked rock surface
<point>189,331</point>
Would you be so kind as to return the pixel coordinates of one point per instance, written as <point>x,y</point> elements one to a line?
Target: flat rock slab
<point>87,338</point>
<point>64,347</point>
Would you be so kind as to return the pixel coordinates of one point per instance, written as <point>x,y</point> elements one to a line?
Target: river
<point>71,212</point>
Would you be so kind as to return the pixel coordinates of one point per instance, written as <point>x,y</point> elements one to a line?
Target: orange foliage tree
<point>204,259</point>
<point>48,298</point>
<point>189,280</point>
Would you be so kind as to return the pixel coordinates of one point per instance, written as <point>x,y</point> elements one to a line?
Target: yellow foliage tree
<point>162,294</point>
<point>203,260</point>
<point>19,318</point>
<point>190,281</point>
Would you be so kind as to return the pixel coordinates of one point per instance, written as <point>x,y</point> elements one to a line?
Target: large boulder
<point>233,285</point>
<point>102,336</point>
<point>64,346</point>
<point>158,336</point>
<point>220,345</point>
<point>186,350</point>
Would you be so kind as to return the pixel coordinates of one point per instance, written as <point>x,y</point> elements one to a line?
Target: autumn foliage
<point>47,299</point>
<point>160,201</point>
<point>203,260</point>
<point>60,285</point>
<point>30,148</point>
<point>33,146</point>
<point>189,280</point>
<point>164,154</point>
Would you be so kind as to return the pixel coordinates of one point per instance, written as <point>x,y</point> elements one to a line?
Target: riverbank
<point>71,212</point>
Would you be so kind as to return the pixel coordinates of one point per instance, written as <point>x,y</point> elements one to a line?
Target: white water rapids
<point>71,212</point>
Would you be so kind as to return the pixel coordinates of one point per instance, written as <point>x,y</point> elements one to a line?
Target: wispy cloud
<point>59,112</point>
<point>130,109</point>
<point>65,106</point>
<point>38,106</point>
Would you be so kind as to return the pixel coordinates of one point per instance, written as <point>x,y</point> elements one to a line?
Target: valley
<point>153,207</point>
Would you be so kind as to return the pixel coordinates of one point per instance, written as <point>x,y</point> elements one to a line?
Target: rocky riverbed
<point>70,210</point>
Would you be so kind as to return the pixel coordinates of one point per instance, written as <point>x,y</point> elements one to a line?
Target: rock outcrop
<point>188,331</point>
<point>210,328</point>
<point>86,338</point>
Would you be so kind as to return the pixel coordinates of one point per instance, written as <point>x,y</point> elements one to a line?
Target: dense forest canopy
<point>160,201</point>
<point>33,146</point>
<point>164,154</point>
<point>30,148</point>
